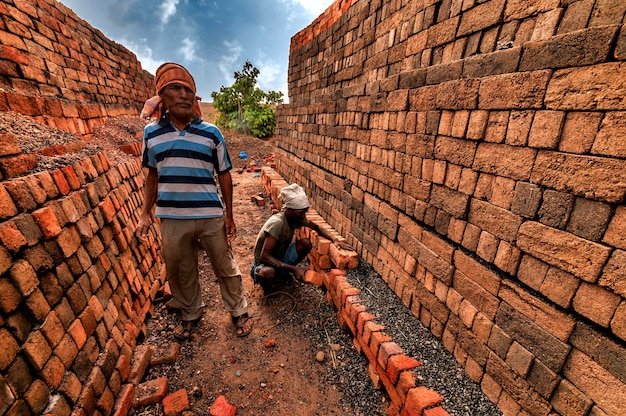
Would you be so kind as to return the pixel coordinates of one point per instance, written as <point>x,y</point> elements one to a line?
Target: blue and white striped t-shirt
<point>185,161</point>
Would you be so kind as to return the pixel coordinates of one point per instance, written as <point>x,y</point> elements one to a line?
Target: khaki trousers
<point>181,239</point>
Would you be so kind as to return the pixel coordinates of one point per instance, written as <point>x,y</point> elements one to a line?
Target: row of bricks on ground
<point>389,367</point>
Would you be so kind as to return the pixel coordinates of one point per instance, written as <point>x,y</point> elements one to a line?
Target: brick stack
<point>473,153</point>
<point>58,69</point>
<point>389,367</point>
<point>76,288</point>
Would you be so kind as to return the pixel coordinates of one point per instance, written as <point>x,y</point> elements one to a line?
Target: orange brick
<point>11,237</point>
<point>141,361</point>
<point>37,350</point>
<point>314,278</point>
<point>7,207</point>
<point>176,403</point>
<point>419,399</point>
<point>124,400</point>
<point>151,392</point>
<point>71,177</point>
<point>47,222</point>
<point>77,332</point>
<point>398,364</point>
<point>386,351</point>
<point>221,407</point>
<point>60,181</point>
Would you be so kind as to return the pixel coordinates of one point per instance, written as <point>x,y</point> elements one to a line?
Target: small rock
<point>320,357</point>
<point>270,343</point>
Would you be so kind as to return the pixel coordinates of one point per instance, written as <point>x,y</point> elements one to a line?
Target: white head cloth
<point>294,197</point>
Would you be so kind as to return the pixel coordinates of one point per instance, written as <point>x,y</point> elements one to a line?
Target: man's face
<point>179,100</point>
<point>296,217</point>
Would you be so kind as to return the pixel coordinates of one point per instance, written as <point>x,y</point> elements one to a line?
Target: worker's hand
<point>231,229</point>
<point>343,245</point>
<point>143,226</point>
<point>299,273</point>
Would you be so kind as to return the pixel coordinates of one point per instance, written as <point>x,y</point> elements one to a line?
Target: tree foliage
<point>245,107</point>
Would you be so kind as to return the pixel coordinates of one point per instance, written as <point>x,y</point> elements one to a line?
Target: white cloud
<point>228,61</point>
<point>314,7</point>
<point>188,50</point>
<point>167,9</point>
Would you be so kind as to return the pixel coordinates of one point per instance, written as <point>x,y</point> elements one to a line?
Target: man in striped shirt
<point>182,155</point>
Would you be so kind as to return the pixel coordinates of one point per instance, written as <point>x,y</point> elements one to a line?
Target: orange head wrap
<point>170,73</point>
<point>166,74</point>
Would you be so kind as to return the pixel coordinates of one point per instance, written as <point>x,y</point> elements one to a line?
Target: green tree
<point>245,107</point>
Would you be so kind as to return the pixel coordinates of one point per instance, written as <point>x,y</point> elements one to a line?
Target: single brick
<point>37,350</point>
<point>176,403</point>
<point>24,277</point>
<point>11,237</point>
<point>124,400</point>
<point>398,364</point>
<point>151,392</point>
<point>419,399</point>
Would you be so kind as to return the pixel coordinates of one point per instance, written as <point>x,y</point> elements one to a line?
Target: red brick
<point>165,354</point>
<point>596,303</point>
<point>123,367</point>
<point>106,401</point>
<point>8,141</point>
<point>107,209</point>
<point>69,241</point>
<point>13,166</point>
<point>175,403</point>
<point>419,399</point>
<point>77,333</point>
<point>10,298</point>
<point>37,396</point>
<point>140,363</point>
<point>47,222</point>
<point>386,351</point>
<point>221,407</point>
<point>53,372</point>
<point>11,237</point>
<point>71,386</point>
<point>53,329</point>
<point>151,392</point>
<point>398,364</point>
<point>436,411</point>
<point>61,182</point>
<point>71,177</point>
<point>9,349</point>
<point>124,400</point>
<point>24,277</point>
<point>37,350</point>
<point>66,350</point>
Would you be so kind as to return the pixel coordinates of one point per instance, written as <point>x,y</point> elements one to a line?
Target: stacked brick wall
<point>58,69</point>
<point>76,287</point>
<point>473,152</point>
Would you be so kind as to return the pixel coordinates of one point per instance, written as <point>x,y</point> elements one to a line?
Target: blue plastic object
<point>243,155</point>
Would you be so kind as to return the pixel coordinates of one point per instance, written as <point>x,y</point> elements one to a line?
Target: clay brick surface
<point>575,255</point>
<point>175,403</point>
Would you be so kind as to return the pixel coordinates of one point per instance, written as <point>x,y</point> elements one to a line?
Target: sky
<point>211,38</point>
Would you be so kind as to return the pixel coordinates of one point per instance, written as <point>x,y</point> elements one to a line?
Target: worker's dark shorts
<point>290,257</point>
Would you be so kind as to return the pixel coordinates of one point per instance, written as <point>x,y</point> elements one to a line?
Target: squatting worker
<point>276,252</point>
<point>182,153</point>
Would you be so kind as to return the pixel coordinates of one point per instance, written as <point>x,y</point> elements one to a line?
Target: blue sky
<point>212,38</point>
